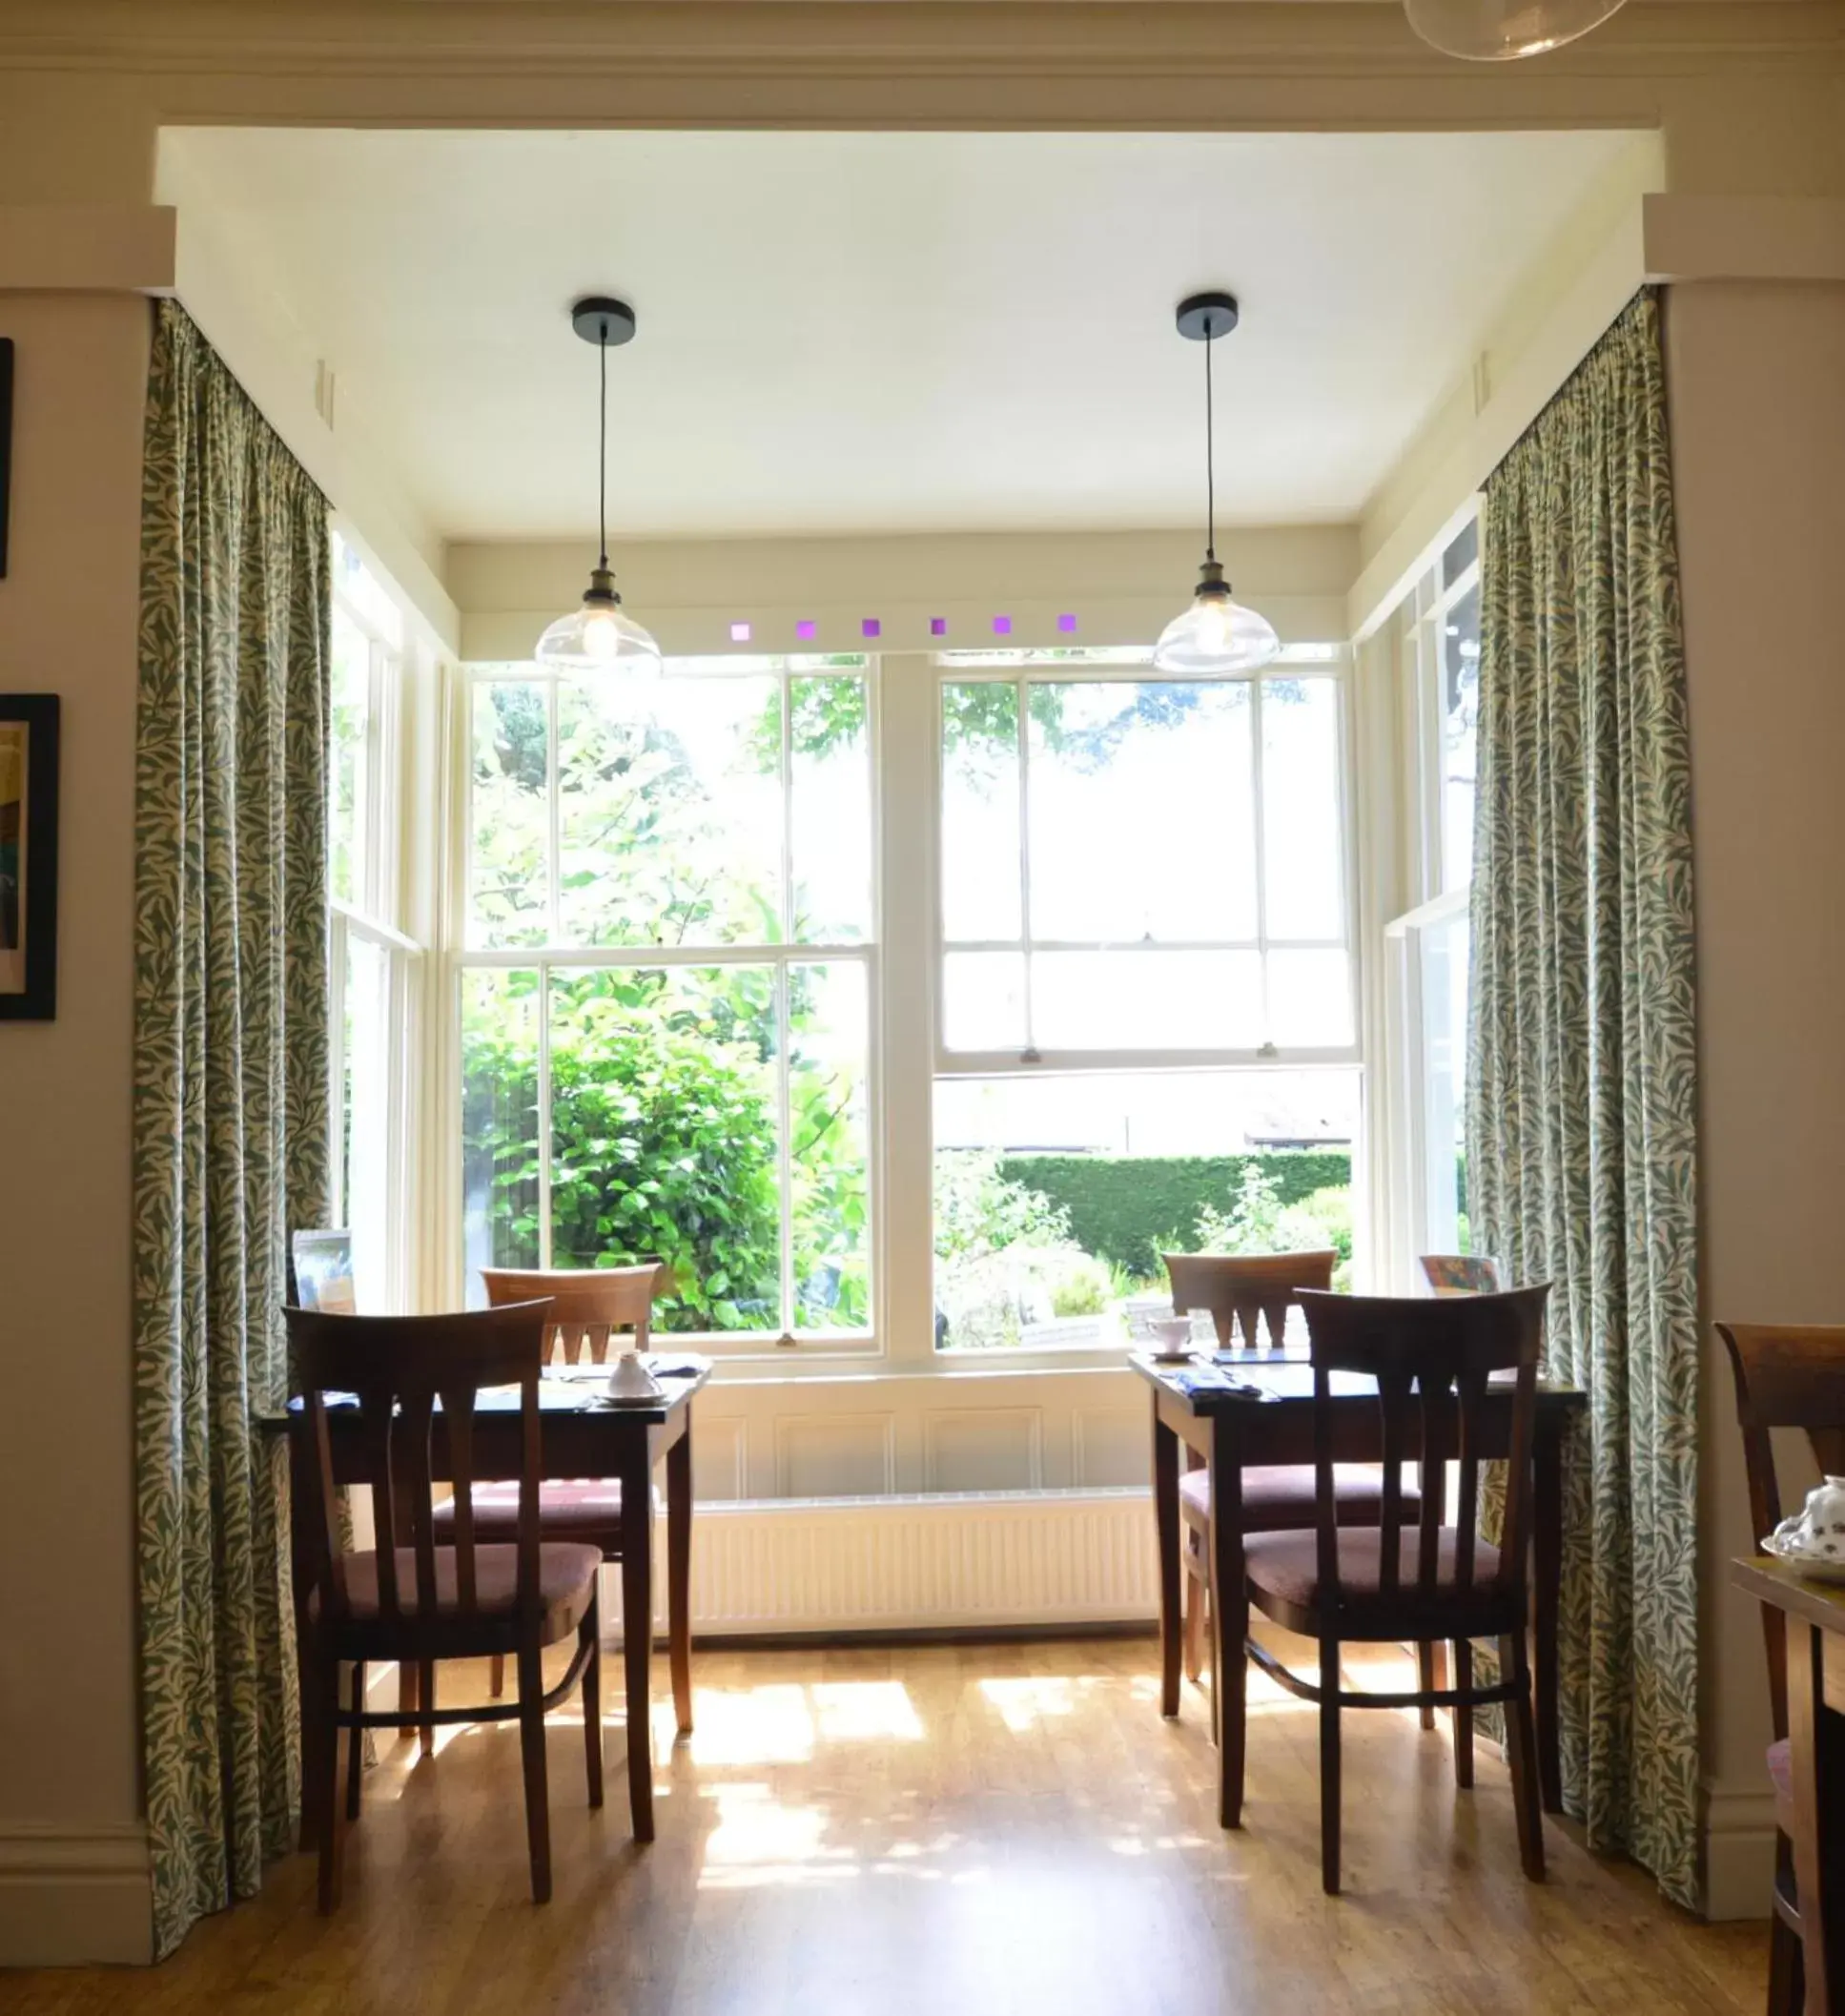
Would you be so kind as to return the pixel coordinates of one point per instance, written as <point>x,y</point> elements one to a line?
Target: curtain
<point>1581,1119</point>
<point>230,1103</point>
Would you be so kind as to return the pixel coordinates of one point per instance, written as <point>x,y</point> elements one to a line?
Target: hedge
<point>1127,1210</point>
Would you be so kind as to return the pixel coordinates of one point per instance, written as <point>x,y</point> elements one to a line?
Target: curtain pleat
<point>1582,1070</point>
<point>230,1103</point>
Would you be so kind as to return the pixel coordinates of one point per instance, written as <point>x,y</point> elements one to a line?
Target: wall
<point>1759,417</point>
<point>68,609</point>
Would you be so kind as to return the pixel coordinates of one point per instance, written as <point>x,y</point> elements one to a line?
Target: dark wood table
<point>1276,1426</point>
<point>581,1438</point>
<point>1816,1633</point>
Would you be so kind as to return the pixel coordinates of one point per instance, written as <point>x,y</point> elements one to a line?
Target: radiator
<point>915,1563</point>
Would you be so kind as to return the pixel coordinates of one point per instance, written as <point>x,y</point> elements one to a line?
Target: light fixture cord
<point>602,448</point>
<point>1210,454</point>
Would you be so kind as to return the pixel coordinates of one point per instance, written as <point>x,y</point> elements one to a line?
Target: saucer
<point>1822,1568</point>
<point>1181,1357</point>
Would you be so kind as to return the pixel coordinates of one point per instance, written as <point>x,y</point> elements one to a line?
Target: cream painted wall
<point>69,611</point>
<point>1759,419</point>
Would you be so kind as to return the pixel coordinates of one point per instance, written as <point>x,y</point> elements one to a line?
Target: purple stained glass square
<point>1067,624</point>
<point>806,629</point>
<point>1002,625</point>
<point>739,633</point>
<point>938,625</point>
<point>870,628</point>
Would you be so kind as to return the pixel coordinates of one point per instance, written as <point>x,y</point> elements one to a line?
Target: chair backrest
<point>1463,1274</point>
<point>1787,1375</point>
<point>320,1272</point>
<point>1431,1361</point>
<point>589,1305</point>
<point>398,1367</point>
<point>1235,1287</point>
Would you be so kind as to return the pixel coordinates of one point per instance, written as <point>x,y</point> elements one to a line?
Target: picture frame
<point>6,443</point>
<point>29,777</point>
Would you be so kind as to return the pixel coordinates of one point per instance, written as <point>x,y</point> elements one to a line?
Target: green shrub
<point>1086,1287</point>
<point>1129,1209</point>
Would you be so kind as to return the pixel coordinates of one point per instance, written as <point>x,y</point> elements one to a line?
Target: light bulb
<point>1217,635</point>
<point>600,636</point>
<point>601,640</point>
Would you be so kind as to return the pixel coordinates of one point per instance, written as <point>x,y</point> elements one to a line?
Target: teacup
<point>1818,1528</point>
<point>629,1379</point>
<point>1172,1335</point>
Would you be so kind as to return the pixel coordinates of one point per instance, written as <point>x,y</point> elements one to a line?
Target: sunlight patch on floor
<point>759,1840</point>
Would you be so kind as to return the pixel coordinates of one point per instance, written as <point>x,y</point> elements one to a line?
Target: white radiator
<point>915,1563</point>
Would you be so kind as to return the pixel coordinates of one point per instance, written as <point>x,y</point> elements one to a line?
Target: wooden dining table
<point>1816,1661</point>
<point>1274,1424</point>
<point>581,1435</point>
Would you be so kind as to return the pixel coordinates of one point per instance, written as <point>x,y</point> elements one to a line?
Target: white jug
<point>629,1379</point>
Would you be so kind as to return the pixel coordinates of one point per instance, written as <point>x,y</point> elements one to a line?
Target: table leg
<point>678,1574</point>
<point>637,1630</point>
<point>1165,1514</point>
<point>302,1577</point>
<point>1547,1591</point>
<point>1229,1622</point>
<point>1817,1736</point>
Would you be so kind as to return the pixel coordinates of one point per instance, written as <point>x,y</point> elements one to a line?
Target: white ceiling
<point>890,332</point>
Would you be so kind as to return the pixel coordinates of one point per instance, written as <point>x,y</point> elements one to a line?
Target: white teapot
<point>1818,1528</point>
<point>629,1379</point>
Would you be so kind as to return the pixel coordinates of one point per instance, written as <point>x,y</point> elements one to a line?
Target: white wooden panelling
<point>1110,1449</point>
<point>834,1456</point>
<point>916,1563</point>
<point>718,1470</point>
<point>983,1449</point>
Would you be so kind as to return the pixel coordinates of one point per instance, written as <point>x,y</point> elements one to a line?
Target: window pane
<point>979,828</point>
<point>1304,845</point>
<point>983,1000</point>
<point>349,728</point>
<point>1139,809</point>
<point>830,1147</point>
<point>830,786</point>
<point>499,1123</point>
<point>1461,552</point>
<point>365,1137</point>
<point>1443,950</point>
<point>670,814</point>
<point>1459,719</point>
<point>663,1135</point>
<point>1309,1000</point>
<point>508,885</point>
<point>356,581</point>
<point>1055,1196</point>
<point>1146,1000</point>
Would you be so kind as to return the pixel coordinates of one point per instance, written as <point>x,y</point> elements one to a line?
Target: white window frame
<point>374,915</point>
<point>1423,614</point>
<point>543,958</point>
<point>1021,671</point>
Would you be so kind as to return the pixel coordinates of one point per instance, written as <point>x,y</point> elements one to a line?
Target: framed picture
<point>323,1272</point>
<point>27,857</point>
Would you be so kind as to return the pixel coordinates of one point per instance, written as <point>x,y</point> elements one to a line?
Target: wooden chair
<point>1462,1274</point>
<point>422,1602</point>
<point>590,1309</point>
<point>1787,1376</point>
<point>1406,1579</point>
<point>1238,1290</point>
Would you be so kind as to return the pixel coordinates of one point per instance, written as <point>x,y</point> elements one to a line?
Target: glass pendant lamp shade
<point>601,636</point>
<point>1216,637</point>
<point>1498,30</point>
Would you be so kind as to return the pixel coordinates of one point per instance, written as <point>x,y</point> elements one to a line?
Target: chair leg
<point>589,1632</point>
<point>330,1819</point>
<point>1194,1627</point>
<point>1786,1974</point>
<point>1230,1702</point>
<point>531,1746</point>
<point>426,1698</point>
<point>1329,1766</point>
<point>1463,1714</point>
<point>497,1682</point>
<point>1521,1752</point>
<point>1426,1679</point>
<point>355,1752</point>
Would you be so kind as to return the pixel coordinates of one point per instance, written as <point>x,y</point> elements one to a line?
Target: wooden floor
<point>948,1831</point>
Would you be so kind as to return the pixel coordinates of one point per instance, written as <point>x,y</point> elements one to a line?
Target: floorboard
<point>943,1830</point>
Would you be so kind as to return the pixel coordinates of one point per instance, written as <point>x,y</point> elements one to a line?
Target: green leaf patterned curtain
<point>230,1103</point>
<point>1581,1104</point>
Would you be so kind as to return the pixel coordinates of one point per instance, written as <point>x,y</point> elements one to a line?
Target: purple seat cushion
<point>1281,1496</point>
<point>567,1582</point>
<point>569,1506</point>
<point>1285,1566</point>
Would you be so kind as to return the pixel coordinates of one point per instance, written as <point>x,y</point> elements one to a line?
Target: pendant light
<point>601,636</point>
<point>1216,636</point>
<point>1498,30</point>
